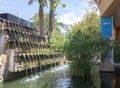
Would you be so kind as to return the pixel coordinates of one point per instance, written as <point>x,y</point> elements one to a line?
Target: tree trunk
<point>41,17</point>
<point>51,20</point>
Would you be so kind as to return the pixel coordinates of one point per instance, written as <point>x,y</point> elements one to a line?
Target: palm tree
<point>42,4</point>
<point>53,6</point>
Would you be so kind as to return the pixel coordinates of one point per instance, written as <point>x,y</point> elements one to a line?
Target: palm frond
<point>31,1</point>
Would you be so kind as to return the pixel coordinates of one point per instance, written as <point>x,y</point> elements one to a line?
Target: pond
<point>58,77</point>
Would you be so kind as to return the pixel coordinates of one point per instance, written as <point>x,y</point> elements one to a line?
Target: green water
<point>54,78</point>
<point>58,77</point>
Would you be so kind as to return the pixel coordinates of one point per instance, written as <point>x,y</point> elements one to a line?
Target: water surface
<point>58,77</point>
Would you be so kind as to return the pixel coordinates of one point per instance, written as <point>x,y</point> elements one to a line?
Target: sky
<point>72,13</point>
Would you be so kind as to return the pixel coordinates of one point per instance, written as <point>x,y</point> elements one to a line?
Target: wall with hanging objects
<point>23,50</point>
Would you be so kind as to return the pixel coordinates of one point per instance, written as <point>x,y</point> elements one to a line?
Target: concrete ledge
<point>107,67</point>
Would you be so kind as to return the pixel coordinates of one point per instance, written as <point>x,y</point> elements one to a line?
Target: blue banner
<point>107,26</point>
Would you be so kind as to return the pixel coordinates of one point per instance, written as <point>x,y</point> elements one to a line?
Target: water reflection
<point>92,81</point>
<point>110,80</point>
<point>58,77</point>
<point>82,83</point>
<point>107,80</point>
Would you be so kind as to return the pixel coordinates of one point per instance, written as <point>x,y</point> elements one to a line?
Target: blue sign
<point>107,26</point>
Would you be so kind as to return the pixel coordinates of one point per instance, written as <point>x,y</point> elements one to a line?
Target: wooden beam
<point>112,8</point>
<point>107,7</point>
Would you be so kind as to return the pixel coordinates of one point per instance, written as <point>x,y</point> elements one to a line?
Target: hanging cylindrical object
<point>28,37</point>
<point>7,25</point>
<point>16,35</point>
<point>10,25</point>
<point>17,44</point>
<point>2,24</point>
<point>22,62</point>
<point>32,60</point>
<point>38,60</point>
<point>27,62</point>
<point>15,27</point>
<point>35,60</point>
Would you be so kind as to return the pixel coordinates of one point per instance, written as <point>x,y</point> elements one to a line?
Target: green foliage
<point>31,1</point>
<point>39,19</point>
<point>63,5</point>
<point>95,76</point>
<point>84,44</point>
<point>116,48</point>
<point>90,25</point>
<point>58,41</point>
<point>36,20</point>
<point>80,51</point>
<point>54,3</point>
<point>11,45</point>
<point>41,2</point>
<point>46,16</point>
<point>57,38</point>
